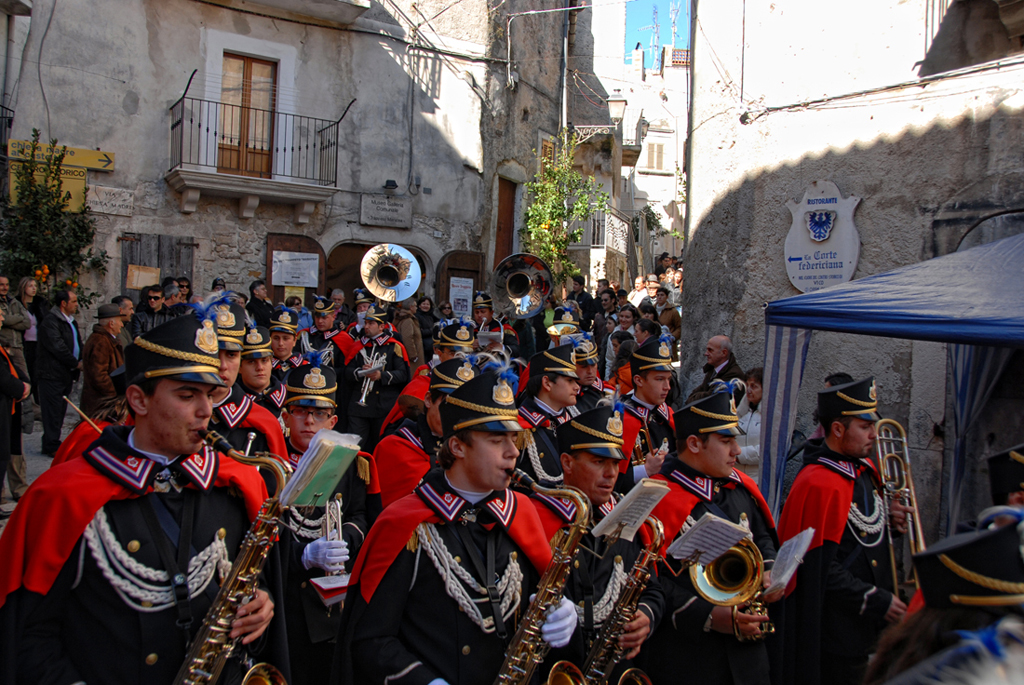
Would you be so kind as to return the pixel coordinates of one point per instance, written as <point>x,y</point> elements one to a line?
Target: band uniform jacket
<point>660,427</point>
<point>271,398</point>
<point>680,644</point>
<point>509,337</point>
<point>598,577</point>
<point>404,457</point>
<point>384,392</point>
<point>590,395</point>
<point>418,609</point>
<point>844,586</point>
<point>238,416</point>
<point>280,368</point>
<point>311,624</point>
<point>540,458</point>
<point>85,591</point>
<point>102,356</point>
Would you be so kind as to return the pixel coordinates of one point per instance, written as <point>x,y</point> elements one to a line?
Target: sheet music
<point>633,509</point>
<point>707,539</point>
<point>789,558</point>
<point>320,450</point>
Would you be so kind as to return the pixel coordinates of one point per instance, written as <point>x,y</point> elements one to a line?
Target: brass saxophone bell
<point>264,674</point>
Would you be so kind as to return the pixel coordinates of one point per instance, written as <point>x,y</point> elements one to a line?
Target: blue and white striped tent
<point>973,300</point>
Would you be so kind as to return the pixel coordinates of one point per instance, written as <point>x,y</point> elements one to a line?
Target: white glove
<point>330,555</point>
<point>560,624</point>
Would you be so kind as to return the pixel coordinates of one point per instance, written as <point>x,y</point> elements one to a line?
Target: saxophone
<point>211,647</point>
<point>606,652</point>
<point>528,649</point>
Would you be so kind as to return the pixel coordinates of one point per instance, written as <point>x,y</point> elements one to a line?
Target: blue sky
<point>640,13</point>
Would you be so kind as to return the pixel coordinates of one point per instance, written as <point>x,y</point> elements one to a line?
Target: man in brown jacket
<point>408,328</point>
<point>722,365</point>
<point>102,356</point>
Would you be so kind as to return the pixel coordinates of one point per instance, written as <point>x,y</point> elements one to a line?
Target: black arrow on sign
<point>107,161</point>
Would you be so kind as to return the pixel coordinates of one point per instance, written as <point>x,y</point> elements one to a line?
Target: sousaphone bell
<point>521,282</point>
<point>390,272</point>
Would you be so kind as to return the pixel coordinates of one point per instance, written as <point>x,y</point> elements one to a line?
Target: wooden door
<point>504,236</point>
<point>172,255</point>
<point>246,123</point>
<point>284,242</point>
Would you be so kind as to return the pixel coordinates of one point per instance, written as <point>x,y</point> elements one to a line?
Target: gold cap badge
<point>503,394</point>
<point>664,351</point>
<point>872,393</point>
<point>285,317</point>
<point>615,425</point>
<point>254,337</point>
<point>465,372</point>
<point>463,333</point>
<point>314,379</point>
<point>567,316</point>
<point>206,338</point>
<point>225,319</point>
<point>479,298</point>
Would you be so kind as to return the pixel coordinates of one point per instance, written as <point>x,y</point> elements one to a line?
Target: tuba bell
<point>734,579</point>
<point>390,272</point>
<point>521,282</point>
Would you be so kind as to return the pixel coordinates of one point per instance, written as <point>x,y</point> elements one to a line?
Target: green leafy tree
<point>561,199</point>
<point>39,236</point>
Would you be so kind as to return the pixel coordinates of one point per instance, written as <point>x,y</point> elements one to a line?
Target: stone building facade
<point>226,122</point>
<point>789,93</point>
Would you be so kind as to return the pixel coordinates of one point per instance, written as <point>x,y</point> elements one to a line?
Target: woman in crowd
<point>750,421</point>
<point>427,319</point>
<point>12,391</point>
<point>185,287</point>
<point>28,293</point>
<point>627,317</point>
<point>624,346</point>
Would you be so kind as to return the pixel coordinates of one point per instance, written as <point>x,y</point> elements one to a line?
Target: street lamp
<point>616,106</point>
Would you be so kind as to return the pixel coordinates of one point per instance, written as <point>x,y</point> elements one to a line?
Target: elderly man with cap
<point>249,427</point>
<point>844,594</point>
<point>649,432</point>
<point>101,357</point>
<point>591,449</point>
<point>312,625</point>
<point>283,325</point>
<point>375,376</point>
<point>592,388</point>
<point>483,315</point>
<point>254,372</point>
<point>710,643</point>
<point>404,456</point>
<point>93,553</point>
<point>548,400</point>
<point>447,571</point>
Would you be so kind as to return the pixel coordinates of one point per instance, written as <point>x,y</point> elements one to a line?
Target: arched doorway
<point>343,268</point>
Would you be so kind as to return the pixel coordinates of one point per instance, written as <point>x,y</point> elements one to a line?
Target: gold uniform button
<point>222,533</point>
<point>576,564</point>
<point>303,583</point>
<point>514,555</point>
<point>863,534</point>
<point>458,560</point>
<point>618,558</point>
<point>465,650</point>
<point>874,562</point>
<point>146,605</point>
<point>133,546</point>
<point>151,659</point>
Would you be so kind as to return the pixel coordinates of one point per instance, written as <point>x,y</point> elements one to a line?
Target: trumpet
<point>376,363</point>
<point>734,579</point>
<point>645,445</point>
<point>898,481</point>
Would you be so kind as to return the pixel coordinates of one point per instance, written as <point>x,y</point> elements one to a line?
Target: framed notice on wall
<point>460,293</point>
<point>295,269</point>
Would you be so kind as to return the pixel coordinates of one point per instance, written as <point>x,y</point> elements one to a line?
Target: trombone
<point>898,481</point>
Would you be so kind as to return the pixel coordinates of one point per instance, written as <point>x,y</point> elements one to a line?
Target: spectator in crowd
<point>652,287</point>
<point>58,365</point>
<point>622,376</point>
<point>606,302</point>
<point>639,292</point>
<point>305,316</point>
<point>259,307</point>
<point>587,306</point>
<point>174,303</point>
<point>669,318</point>
<point>102,356</point>
<point>219,285</point>
<point>185,286</point>
<point>627,318</point>
<point>127,309</point>
<point>677,288</point>
<point>749,411</point>
<point>721,365</point>
<point>602,283</point>
<point>621,298</point>
<point>12,390</point>
<point>343,313</point>
<point>647,311</point>
<point>645,329</point>
<point>447,313</point>
<point>16,321</point>
<point>28,293</point>
<point>151,311</point>
<point>427,319</point>
<point>664,262</point>
<point>408,326</point>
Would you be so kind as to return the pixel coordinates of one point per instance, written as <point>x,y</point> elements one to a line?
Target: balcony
<point>334,11</point>
<point>254,155</point>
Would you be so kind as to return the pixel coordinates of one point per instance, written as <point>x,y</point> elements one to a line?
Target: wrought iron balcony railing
<point>246,141</point>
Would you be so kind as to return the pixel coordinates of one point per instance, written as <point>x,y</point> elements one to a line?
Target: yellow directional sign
<point>96,160</point>
<point>72,183</point>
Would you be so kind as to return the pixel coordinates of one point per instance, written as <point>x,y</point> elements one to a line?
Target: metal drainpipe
<point>564,114</point>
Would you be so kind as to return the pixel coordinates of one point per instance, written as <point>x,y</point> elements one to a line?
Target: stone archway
<point>343,268</point>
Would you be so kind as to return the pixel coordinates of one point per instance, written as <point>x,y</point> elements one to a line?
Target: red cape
<point>263,421</point>
<point>679,502</point>
<point>417,387</point>
<point>395,526</point>
<point>552,521</point>
<point>57,507</point>
<point>630,429</point>
<point>81,437</point>
<point>402,465</point>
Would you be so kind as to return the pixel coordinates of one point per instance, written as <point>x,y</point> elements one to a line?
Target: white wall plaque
<point>823,245</point>
<point>104,200</point>
<point>460,294</point>
<point>297,269</point>
<point>385,210</point>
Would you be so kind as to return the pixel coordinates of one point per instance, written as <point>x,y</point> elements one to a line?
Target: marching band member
<point>591,449</point>
<point>696,636</point>
<point>549,395</point>
<point>254,372</point>
<point>405,456</point>
<point>338,345</point>
<point>483,314</point>
<point>363,301</point>
<point>592,388</point>
<point>651,368</point>
<point>92,553</point>
<point>283,325</point>
<point>447,570</point>
<point>844,592</point>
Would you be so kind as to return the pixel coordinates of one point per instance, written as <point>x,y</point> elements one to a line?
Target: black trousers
<point>842,670</point>
<point>53,407</point>
<point>368,429</point>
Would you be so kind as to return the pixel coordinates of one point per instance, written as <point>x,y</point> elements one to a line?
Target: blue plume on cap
<point>315,358</point>
<point>729,386</point>
<point>204,310</point>
<point>666,338</point>
<point>509,375</point>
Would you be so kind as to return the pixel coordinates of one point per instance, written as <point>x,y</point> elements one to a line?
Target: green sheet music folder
<point>329,456</point>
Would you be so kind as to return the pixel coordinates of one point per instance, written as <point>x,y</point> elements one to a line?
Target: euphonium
<point>734,579</point>
<point>898,481</point>
<point>605,652</point>
<point>527,649</point>
<point>211,647</point>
